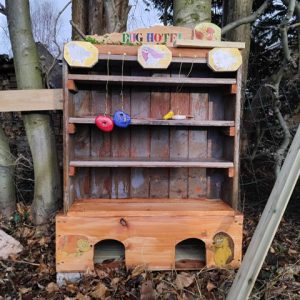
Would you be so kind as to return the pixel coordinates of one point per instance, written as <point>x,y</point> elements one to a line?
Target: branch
<point>3,9</point>
<point>290,11</point>
<point>246,20</point>
<point>76,28</point>
<point>56,43</point>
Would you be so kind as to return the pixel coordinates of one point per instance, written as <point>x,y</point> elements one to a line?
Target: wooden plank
<point>146,207</point>
<point>132,51</point>
<point>31,100</point>
<point>149,240</point>
<point>207,44</point>
<point>179,144</point>
<point>160,148</point>
<point>143,80</point>
<point>268,223</point>
<point>120,148</point>
<point>197,183</point>
<point>154,162</point>
<point>100,147</point>
<point>140,142</point>
<point>154,122</point>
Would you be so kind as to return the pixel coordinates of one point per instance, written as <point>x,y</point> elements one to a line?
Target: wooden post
<point>268,224</point>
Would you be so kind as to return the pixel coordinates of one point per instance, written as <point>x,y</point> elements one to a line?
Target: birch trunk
<point>47,188</point>
<point>7,186</point>
<point>189,13</point>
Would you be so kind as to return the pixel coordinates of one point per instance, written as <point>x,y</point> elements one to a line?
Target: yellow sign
<point>224,59</point>
<point>80,54</point>
<point>207,32</point>
<point>154,56</point>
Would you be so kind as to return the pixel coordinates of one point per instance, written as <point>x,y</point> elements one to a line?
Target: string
<point>106,86</point>
<point>121,93</point>
<point>177,88</point>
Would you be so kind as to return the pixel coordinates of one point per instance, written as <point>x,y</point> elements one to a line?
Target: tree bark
<point>47,189</point>
<point>189,13</point>
<point>234,10</point>
<point>79,17</point>
<point>7,186</point>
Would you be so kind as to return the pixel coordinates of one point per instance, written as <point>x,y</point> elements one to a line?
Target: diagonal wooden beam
<point>268,224</point>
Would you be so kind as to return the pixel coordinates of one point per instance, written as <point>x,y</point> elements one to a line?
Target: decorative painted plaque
<point>207,32</point>
<point>154,56</point>
<point>80,54</point>
<point>224,59</point>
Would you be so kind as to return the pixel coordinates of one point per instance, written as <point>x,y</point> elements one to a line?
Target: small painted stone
<point>104,123</point>
<point>121,119</point>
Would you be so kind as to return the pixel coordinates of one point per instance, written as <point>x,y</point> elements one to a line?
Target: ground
<point>31,274</point>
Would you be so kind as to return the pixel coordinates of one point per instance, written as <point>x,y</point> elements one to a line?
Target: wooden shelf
<point>113,162</point>
<point>155,122</point>
<point>149,207</point>
<point>143,80</point>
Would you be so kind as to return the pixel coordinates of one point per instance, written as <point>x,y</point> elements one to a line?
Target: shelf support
<point>72,171</point>
<point>71,128</point>
<point>230,131</point>
<point>71,86</point>
<point>230,172</point>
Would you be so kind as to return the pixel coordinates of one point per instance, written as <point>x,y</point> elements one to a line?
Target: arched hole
<point>190,254</point>
<point>108,250</point>
<point>223,246</point>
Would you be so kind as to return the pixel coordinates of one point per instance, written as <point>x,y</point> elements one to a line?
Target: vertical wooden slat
<point>160,148</point>
<point>120,147</point>
<point>81,140</point>
<point>179,143</point>
<point>197,182</point>
<point>140,143</point>
<point>100,148</point>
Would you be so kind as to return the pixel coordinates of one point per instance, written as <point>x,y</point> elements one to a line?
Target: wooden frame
<point>164,171</point>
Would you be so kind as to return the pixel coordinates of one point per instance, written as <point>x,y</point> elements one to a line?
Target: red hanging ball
<point>104,123</point>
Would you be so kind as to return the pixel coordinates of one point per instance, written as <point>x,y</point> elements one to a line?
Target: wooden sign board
<point>165,35</point>
<point>80,54</point>
<point>224,59</point>
<point>154,56</point>
<point>207,32</point>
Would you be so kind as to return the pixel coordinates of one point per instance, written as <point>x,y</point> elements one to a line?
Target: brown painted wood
<point>160,148</point>
<point>140,141</point>
<point>159,80</point>
<point>155,122</point>
<point>179,144</point>
<point>197,182</point>
<point>72,171</point>
<point>71,128</point>
<point>71,86</point>
<point>120,148</point>
<point>100,147</point>
<point>230,131</point>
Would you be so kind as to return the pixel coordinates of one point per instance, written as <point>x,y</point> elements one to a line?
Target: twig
<point>76,28</point>
<point>3,9</point>
<point>290,11</point>
<point>56,43</point>
<point>246,20</point>
<point>22,262</point>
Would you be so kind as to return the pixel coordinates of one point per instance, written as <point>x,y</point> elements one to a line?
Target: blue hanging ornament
<point>121,119</point>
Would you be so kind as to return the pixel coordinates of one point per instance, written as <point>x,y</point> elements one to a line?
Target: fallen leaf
<point>114,283</point>
<point>138,270</point>
<point>100,291</point>
<point>52,287</point>
<point>101,274</point>
<point>24,290</point>
<point>184,280</point>
<point>272,250</point>
<point>292,251</point>
<point>210,286</point>
<point>161,287</point>
<point>79,296</point>
<point>147,291</point>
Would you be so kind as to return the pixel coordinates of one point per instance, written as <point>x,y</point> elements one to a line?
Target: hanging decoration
<point>121,118</point>
<point>105,122</point>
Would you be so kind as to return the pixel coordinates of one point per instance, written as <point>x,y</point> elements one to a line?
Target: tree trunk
<point>189,13</point>
<point>234,10</point>
<point>99,16</point>
<point>7,186</point>
<point>47,189</point>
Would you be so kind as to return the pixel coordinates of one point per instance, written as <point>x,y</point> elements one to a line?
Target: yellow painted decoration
<point>224,59</point>
<point>72,245</point>
<point>207,32</point>
<point>154,56</point>
<point>223,249</point>
<point>169,115</point>
<point>80,54</point>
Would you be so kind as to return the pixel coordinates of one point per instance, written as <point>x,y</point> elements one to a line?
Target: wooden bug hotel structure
<point>151,151</point>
